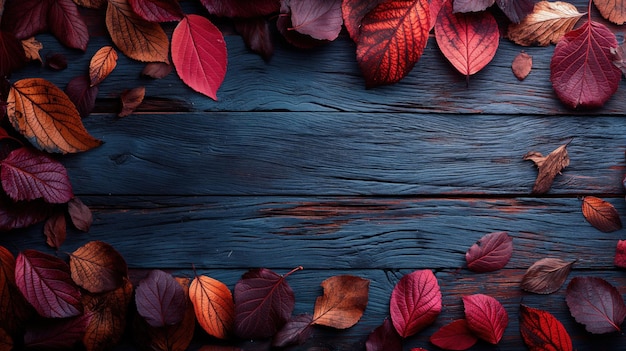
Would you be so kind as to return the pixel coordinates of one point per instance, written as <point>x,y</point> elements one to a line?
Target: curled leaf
<point>490,253</point>
<point>31,48</point>
<point>601,214</point>
<point>97,267</point>
<point>596,304</point>
<point>213,305</point>
<point>548,166</point>
<point>542,331</point>
<point>415,302</point>
<point>546,275</point>
<point>548,22</point>
<point>486,317</point>
<point>343,303</point>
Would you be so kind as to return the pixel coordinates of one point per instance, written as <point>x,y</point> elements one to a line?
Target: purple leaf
<point>82,94</point>
<point>321,19</point>
<point>595,303</point>
<point>492,252</point>
<point>157,10</point>
<point>15,215</point>
<point>67,24</point>
<point>160,299</point>
<point>516,10</point>
<point>12,54</point>
<point>241,8</point>
<point>295,332</point>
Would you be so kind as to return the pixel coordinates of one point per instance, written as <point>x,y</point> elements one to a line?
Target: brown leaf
<point>97,267</point>
<point>102,64</point>
<point>343,303</point>
<point>156,70</point>
<point>80,214</point>
<point>31,48</point>
<point>548,22</point>
<point>522,64</point>
<point>131,99</point>
<point>546,275</point>
<point>601,214</point>
<point>549,166</point>
<point>613,10</point>
<point>55,230</point>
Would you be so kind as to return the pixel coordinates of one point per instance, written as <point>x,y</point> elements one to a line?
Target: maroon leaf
<point>14,215</point>
<point>263,303</point>
<point>67,24</point>
<point>241,8</point>
<point>26,18</point>
<point>296,331</point>
<point>13,307</point>
<point>353,12</point>
<point>454,336</point>
<point>55,230</point>
<point>12,54</point>
<point>131,100</point>
<point>80,214</point>
<point>620,254</point>
<point>257,36</point>
<point>384,338</point>
<point>82,94</point>
<point>490,253</point>
<point>321,19</point>
<point>28,175</point>
<point>55,334</point>
<point>471,5</point>
<point>157,10</point>
<point>46,284</point>
<point>486,317</point>
<point>582,70</point>
<point>595,303</point>
<point>542,331</point>
<point>415,302</point>
<point>160,299</point>
<point>56,61</point>
<point>516,10</point>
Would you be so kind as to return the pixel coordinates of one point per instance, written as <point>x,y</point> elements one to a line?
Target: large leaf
<point>490,253</point>
<point>213,305</point>
<point>468,40</point>
<point>26,18</point>
<point>392,39</point>
<point>601,214</point>
<point>46,116</point>
<point>45,282</point>
<point>160,299</point>
<point>321,19</point>
<point>455,335</point>
<point>12,55</point>
<point>486,317</point>
<point>581,70</point>
<point>353,12</point>
<point>415,302</point>
<point>548,22</point>
<point>199,54</point>
<point>516,10</point>
<point>613,10</point>
<point>296,331</point>
<point>546,275</point>
<point>241,8</point>
<point>343,303</point>
<point>542,331</point>
<point>97,267</point>
<point>596,303</point>
<point>157,10</point>
<point>384,338</point>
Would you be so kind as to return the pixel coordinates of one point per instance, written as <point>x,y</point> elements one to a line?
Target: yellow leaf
<point>102,64</point>
<point>548,22</point>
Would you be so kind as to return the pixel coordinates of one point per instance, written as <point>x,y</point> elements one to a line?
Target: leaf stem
<point>299,268</point>
<point>589,11</point>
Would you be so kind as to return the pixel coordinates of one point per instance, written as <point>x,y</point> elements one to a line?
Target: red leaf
<point>13,307</point>
<point>241,8</point>
<point>435,7</point>
<point>542,331</point>
<point>55,230</point>
<point>468,40</point>
<point>160,299</point>
<point>595,303</point>
<point>582,70</point>
<point>14,215</point>
<point>82,94</point>
<point>321,19</point>
<point>601,214</point>
<point>486,317</point>
<point>257,36</point>
<point>56,335</point>
<point>67,24</point>
<point>199,54</point>
<point>620,254</point>
<point>12,54</point>
<point>384,338</point>
<point>157,10</point>
<point>353,12</point>
<point>393,38</point>
<point>263,303</point>
<point>80,214</point>
<point>471,5</point>
<point>295,332</point>
<point>516,10</point>
<point>29,175</point>
<point>415,302</point>
<point>46,284</point>
<point>454,336</point>
<point>490,253</point>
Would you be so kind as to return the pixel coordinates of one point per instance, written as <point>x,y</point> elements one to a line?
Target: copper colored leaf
<point>263,303</point>
<point>548,22</point>
<point>521,66</point>
<point>160,299</point>
<point>455,335</point>
<point>31,48</point>
<point>213,305</point>
<point>343,303</point>
<point>384,338</point>
<point>28,175</point>
<point>131,99</point>
<point>548,167</point>
<point>596,304</point>
<point>581,70</point>
<point>55,230</point>
<point>102,63</point>
<point>542,331</point>
<point>199,54</point>
<point>107,314</point>
<point>546,275</point>
<point>97,267</point>
<point>601,214</point>
<point>620,254</point>
<point>393,37</point>
<point>415,302</point>
<point>135,37</point>
<point>490,253</point>
<point>12,55</point>
<point>486,317</point>
<point>321,19</point>
<point>67,24</point>
<point>353,12</point>
<point>296,331</point>
<point>157,10</point>
<point>471,5</point>
<point>257,36</point>
<point>156,70</point>
<point>613,10</point>
<point>468,40</point>
<point>241,8</point>
<point>80,214</point>
<point>6,343</point>
<point>56,334</point>
<point>516,10</point>
<point>46,284</point>
<point>92,4</point>
<point>22,214</point>
<point>83,95</point>
<point>47,117</point>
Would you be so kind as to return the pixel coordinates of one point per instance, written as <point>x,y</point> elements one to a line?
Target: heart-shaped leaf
<point>455,335</point>
<point>343,303</point>
<point>486,317</point>
<point>161,301</point>
<point>601,214</point>
<point>595,303</point>
<point>321,19</point>
<point>415,302</point>
<point>97,267</point>
<point>490,253</point>
<point>546,275</point>
<point>214,306</point>
<point>542,331</point>
<point>548,22</point>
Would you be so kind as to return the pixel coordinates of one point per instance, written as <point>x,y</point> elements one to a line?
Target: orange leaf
<point>31,48</point>
<point>601,214</point>
<point>45,115</point>
<point>97,267</point>
<point>131,99</point>
<point>102,64</point>
<point>214,306</point>
<point>135,37</point>
<point>343,303</point>
<point>613,10</point>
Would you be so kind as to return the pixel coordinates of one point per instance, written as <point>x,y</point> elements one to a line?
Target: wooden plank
<point>344,154</point>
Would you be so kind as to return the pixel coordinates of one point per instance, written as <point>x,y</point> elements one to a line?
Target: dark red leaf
<point>56,334</point>
<point>582,70</point>
<point>56,61</point>
<point>257,36</point>
<point>22,214</point>
<point>295,332</point>
<point>157,10</point>
<point>353,12</point>
<point>28,175</point>
<point>131,100</point>
<point>160,299</point>
<point>490,253</point>
<point>6,342</point>
<point>82,94</point>
<point>471,5</point>
<point>601,214</point>
<point>522,65</point>
<point>435,7</point>
<point>595,303</point>
<point>156,70</point>
<point>516,10</point>
<point>542,331</point>
<point>393,37</point>
<point>241,8</point>
<point>67,24</point>
<point>263,303</point>
<point>46,284</point>
<point>55,230</point>
<point>321,19</point>
<point>12,54</point>
<point>620,254</point>
<point>455,335</point>
<point>384,338</point>
<point>415,302</point>
<point>486,317</point>
<point>80,214</point>
<point>13,307</point>
<point>26,18</point>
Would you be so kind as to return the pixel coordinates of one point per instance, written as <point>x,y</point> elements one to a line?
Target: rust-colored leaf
<point>613,10</point>
<point>490,253</point>
<point>156,70</point>
<point>343,303</point>
<point>546,275</point>
<point>45,115</point>
<point>107,314</point>
<point>97,267</point>
<point>80,214</point>
<point>548,166</point>
<point>102,63</point>
<point>55,230</point>
<point>548,22</point>
<point>521,66</point>
<point>541,331</point>
<point>32,47</point>
<point>213,305</point>
<point>131,99</point>
<point>135,37</point>
<point>601,214</point>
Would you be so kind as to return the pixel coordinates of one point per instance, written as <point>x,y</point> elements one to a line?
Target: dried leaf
<point>455,335</point>
<point>131,99</point>
<point>542,331</point>
<point>107,314</point>
<point>343,303</point>
<point>601,214</point>
<point>295,332</point>
<point>620,254</point>
<point>415,302</point>
<point>546,275</point>
<point>522,65</point>
<point>321,19</point>
<point>213,305</point>
<point>102,63</point>
<point>353,12</point>
<point>241,8</point>
<point>160,299</point>
<point>55,230</point>
<point>490,253</point>
<point>12,55</point>
<point>31,48</point>
<point>97,267</point>
<point>156,70</point>
<point>548,167</point>
<point>486,317</point>
<point>596,304</point>
<point>80,214</point>
<point>613,10</point>
<point>158,10</point>
<point>548,22</point>
<point>82,95</point>
<point>384,338</point>
<point>56,334</point>
<point>257,36</point>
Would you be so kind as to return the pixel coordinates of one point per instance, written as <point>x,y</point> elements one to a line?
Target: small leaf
<point>490,253</point>
<point>455,335</point>
<point>596,304</point>
<point>55,230</point>
<point>343,303</point>
<point>542,331</point>
<point>56,61</point>
<point>548,166</point>
<point>97,267</point>
<point>241,8</point>
<point>415,302</point>
<point>131,99</point>
<point>521,66</point>
<point>295,332</point>
<point>601,214</point>
<point>546,275</point>
<point>321,19</point>
<point>80,214</point>
<point>213,305</point>
<point>56,334</point>
<point>157,10</point>
<point>548,22</point>
<point>32,47</point>
<point>82,95</point>
<point>160,299</point>
<point>102,63</point>
<point>620,254</point>
<point>486,317</point>
<point>156,70</point>
<point>613,10</point>
<point>353,12</point>
<point>384,338</point>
